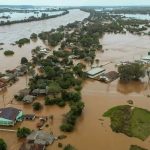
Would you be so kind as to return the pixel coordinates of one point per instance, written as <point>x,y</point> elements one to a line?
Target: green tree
<point>24,60</point>
<point>69,147</point>
<point>132,71</point>
<point>37,106</point>
<point>54,88</point>
<point>3,145</point>
<point>23,132</point>
<point>33,36</point>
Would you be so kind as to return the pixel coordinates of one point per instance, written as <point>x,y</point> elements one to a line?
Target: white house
<point>95,72</point>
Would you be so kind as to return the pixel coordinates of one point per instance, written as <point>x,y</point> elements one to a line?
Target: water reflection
<point>132,87</point>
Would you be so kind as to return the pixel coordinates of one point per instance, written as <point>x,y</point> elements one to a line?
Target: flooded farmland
<point>92,131</point>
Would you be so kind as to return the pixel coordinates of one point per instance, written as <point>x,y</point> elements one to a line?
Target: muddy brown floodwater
<point>92,130</point>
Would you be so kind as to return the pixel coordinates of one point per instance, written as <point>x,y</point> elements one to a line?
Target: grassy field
<point>132,121</point>
<point>135,147</point>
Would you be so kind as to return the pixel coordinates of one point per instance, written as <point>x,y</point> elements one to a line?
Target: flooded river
<point>90,132</point>
<point>9,34</point>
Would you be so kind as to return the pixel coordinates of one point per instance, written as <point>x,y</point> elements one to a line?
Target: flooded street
<point>92,130</point>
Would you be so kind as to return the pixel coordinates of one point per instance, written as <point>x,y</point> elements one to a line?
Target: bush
<point>56,101</point>
<point>8,53</point>
<point>66,127</point>
<point>3,145</point>
<point>18,97</point>
<point>23,41</point>
<point>23,132</point>
<point>37,106</point>
<point>132,71</point>
<point>60,145</point>
<point>69,147</point>
<point>24,60</point>
<point>33,36</point>
<point>78,88</point>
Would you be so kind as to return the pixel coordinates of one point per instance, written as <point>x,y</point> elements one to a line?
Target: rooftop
<point>95,71</point>
<point>40,137</point>
<point>9,113</point>
<point>28,146</point>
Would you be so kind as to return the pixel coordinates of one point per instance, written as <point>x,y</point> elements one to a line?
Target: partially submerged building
<point>41,138</point>
<point>29,146</point>
<point>9,116</point>
<point>28,99</point>
<point>109,76</point>
<point>37,92</point>
<point>95,72</point>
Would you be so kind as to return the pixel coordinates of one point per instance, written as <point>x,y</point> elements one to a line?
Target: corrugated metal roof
<point>95,71</point>
<point>9,113</point>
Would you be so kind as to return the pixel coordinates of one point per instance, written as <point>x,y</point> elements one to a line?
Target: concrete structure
<point>95,72</point>
<point>9,116</point>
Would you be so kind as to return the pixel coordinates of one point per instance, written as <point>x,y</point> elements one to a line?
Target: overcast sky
<point>75,2</point>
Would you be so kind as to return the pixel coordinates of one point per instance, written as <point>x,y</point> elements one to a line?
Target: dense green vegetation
<point>131,10</point>
<point>129,120</point>
<point>63,85</point>
<point>131,71</point>
<point>24,60</point>
<point>135,147</point>
<point>114,23</point>
<point>37,106</point>
<point>3,145</point>
<point>33,36</point>
<point>23,132</point>
<point>23,41</point>
<point>8,53</point>
<point>55,38</point>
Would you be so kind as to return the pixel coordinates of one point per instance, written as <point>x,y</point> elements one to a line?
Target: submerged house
<point>28,99</point>
<point>40,138</point>
<point>37,92</point>
<point>29,146</point>
<point>109,76</point>
<point>93,73</point>
<point>9,116</point>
